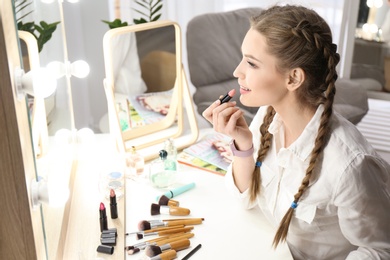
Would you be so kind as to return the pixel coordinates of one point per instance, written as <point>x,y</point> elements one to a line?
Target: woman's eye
<point>251,64</point>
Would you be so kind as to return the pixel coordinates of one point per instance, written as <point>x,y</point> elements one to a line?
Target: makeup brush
<point>166,255</point>
<point>165,232</point>
<point>146,225</point>
<point>157,228</point>
<point>158,242</point>
<point>156,209</point>
<point>154,241</point>
<point>164,200</point>
<point>178,245</point>
<point>193,251</point>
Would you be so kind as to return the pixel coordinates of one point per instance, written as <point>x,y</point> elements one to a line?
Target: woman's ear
<point>296,79</point>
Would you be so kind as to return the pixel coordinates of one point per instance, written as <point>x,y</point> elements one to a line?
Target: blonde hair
<point>299,38</point>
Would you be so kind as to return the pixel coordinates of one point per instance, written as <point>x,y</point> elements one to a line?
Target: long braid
<point>329,54</point>
<point>265,144</point>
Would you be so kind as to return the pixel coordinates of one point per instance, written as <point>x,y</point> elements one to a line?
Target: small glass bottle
<point>171,161</point>
<point>160,173</point>
<point>135,163</point>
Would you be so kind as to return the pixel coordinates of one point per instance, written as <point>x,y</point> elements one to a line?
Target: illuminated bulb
<point>55,192</point>
<point>38,83</point>
<point>373,28</point>
<point>79,69</point>
<point>56,68</point>
<point>85,136</point>
<point>82,136</point>
<point>63,137</point>
<point>366,27</point>
<point>374,3</point>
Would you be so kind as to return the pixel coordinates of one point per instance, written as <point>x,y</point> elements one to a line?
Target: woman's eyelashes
<point>251,64</point>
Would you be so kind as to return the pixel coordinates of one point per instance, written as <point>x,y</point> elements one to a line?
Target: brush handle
<point>175,230</point>
<point>190,221</point>
<point>162,228</point>
<point>174,203</point>
<point>178,211</point>
<point>175,237</point>
<point>177,245</point>
<point>166,255</point>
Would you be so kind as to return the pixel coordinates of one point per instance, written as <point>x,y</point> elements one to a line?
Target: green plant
<point>149,9</point>
<point>42,31</point>
<point>150,12</point>
<point>115,24</point>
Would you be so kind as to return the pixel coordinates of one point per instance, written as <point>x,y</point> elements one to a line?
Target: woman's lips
<point>244,90</point>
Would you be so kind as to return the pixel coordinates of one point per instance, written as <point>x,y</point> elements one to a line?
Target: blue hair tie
<point>258,164</point>
<point>294,205</point>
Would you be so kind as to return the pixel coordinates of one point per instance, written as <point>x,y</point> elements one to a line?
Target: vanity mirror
<point>146,88</point>
<point>31,64</point>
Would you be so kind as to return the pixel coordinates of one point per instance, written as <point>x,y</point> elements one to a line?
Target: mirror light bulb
<point>56,68</point>
<point>39,83</point>
<point>79,69</point>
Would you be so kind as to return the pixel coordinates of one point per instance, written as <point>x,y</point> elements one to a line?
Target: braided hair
<point>299,38</point>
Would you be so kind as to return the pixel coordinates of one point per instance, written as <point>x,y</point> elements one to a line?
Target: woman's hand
<point>229,119</point>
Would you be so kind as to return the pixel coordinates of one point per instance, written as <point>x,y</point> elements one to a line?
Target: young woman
<point>310,171</point>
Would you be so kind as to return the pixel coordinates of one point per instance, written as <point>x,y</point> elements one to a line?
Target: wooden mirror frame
<point>152,134</point>
<point>38,116</point>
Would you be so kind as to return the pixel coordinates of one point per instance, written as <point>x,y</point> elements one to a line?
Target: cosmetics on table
<point>113,205</point>
<point>135,164</point>
<point>171,161</point>
<point>162,174</point>
<point>193,251</point>
<point>156,209</point>
<point>103,217</point>
<point>177,191</point>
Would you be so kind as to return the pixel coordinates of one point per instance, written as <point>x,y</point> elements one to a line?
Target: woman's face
<point>260,82</point>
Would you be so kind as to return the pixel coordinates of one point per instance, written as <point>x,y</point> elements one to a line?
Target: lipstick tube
<point>103,217</point>
<point>113,205</point>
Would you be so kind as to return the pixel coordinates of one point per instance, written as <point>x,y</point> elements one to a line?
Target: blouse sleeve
<point>363,200</point>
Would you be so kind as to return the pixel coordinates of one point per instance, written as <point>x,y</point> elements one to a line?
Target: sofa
<point>214,50</point>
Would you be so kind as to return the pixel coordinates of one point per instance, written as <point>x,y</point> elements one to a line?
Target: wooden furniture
<point>21,231</point>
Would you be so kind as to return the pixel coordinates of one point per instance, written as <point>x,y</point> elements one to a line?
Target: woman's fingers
<point>208,113</point>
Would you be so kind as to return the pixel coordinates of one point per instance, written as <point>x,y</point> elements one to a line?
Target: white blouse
<point>345,211</point>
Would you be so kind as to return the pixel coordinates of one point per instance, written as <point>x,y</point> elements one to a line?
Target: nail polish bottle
<point>135,163</point>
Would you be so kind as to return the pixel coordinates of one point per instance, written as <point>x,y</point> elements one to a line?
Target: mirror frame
<point>38,117</point>
<point>156,133</point>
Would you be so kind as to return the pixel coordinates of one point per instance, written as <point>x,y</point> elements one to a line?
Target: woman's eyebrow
<point>251,57</point>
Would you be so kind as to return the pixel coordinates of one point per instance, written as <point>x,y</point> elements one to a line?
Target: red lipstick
<point>228,96</point>
<point>103,217</point>
<point>113,205</point>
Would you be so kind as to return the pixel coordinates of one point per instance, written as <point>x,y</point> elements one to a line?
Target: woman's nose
<point>237,73</point>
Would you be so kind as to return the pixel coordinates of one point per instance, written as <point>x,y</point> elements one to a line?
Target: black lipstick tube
<point>113,205</point>
<point>103,218</point>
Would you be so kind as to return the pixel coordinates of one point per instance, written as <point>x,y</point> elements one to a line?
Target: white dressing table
<point>228,232</point>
